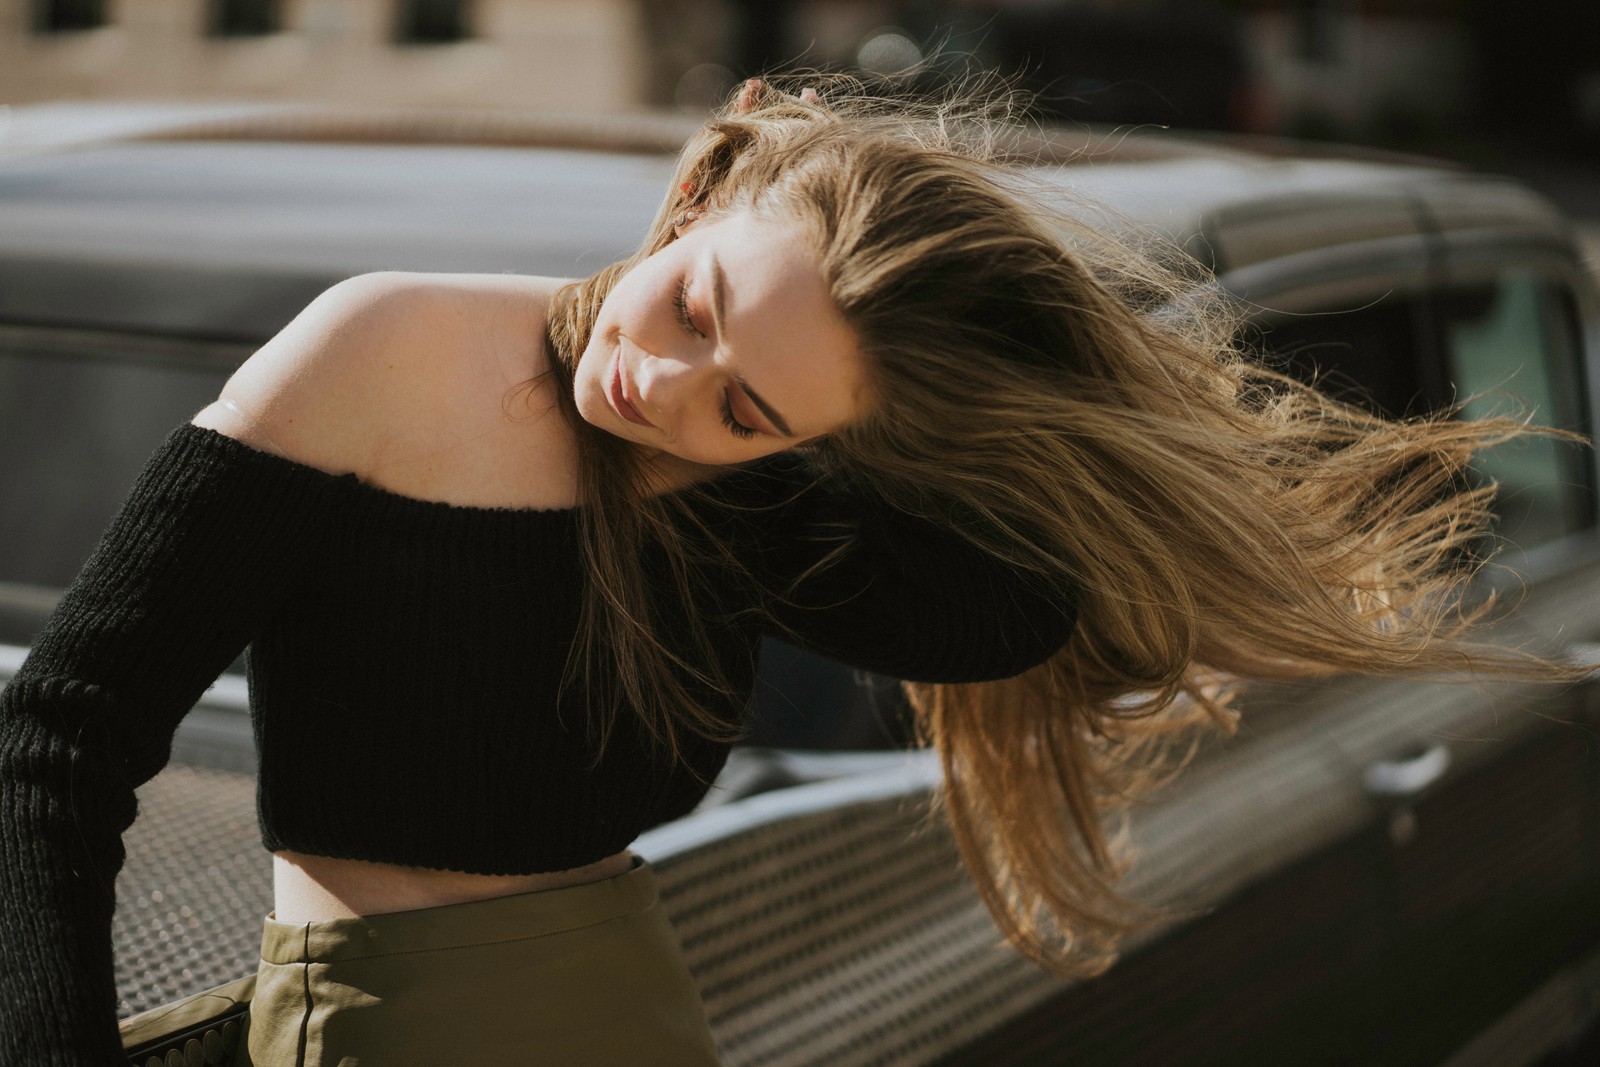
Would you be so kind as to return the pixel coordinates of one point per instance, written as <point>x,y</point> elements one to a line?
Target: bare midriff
<point>317,888</point>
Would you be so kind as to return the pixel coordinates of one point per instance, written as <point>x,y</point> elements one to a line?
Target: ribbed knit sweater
<point>405,659</point>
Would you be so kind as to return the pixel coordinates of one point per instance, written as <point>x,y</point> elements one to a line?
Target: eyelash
<point>681,303</point>
<point>737,428</point>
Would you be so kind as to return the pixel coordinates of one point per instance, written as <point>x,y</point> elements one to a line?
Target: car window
<point>79,415</point>
<point>1508,343</point>
<point>1513,341</point>
<point>1371,355</point>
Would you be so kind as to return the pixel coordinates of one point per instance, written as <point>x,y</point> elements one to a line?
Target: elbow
<point>1003,647</point>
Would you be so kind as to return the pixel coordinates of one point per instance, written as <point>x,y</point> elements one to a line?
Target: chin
<point>591,407</point>
<point>588,396</point>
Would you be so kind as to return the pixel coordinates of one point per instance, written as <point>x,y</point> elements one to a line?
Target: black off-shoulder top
<point>405,662</point>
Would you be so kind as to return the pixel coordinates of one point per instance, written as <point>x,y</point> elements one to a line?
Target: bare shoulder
<point>410,380</point>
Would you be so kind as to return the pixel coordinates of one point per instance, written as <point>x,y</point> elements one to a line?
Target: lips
<point>619,398</point>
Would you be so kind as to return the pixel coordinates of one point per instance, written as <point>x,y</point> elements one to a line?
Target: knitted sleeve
<point>857,581</point>
<point>202,549</point>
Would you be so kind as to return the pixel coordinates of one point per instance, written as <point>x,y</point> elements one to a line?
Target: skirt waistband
<point>499,919</point>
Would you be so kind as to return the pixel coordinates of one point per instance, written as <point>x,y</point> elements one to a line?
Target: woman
<point>503,549</point>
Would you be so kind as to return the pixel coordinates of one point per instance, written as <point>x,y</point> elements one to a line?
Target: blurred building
<point>560,54</point>
<point>1406,72</point>
<point>1427,70</point>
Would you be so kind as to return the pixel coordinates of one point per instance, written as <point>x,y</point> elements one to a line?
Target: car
<point>1373,872</point>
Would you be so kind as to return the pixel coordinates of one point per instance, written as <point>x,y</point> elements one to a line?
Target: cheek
<point>631,295</point>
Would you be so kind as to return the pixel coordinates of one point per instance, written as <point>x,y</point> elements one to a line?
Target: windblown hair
<point>1075,407</point>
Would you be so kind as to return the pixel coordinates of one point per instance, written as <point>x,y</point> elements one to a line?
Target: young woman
<point>503,549</point>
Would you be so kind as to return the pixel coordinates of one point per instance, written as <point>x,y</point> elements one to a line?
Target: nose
<point>666,383</point>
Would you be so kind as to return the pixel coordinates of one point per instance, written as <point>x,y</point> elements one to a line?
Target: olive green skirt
<point>590,974</point>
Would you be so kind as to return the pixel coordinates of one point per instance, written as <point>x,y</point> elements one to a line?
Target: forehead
<point>783,332</point>
<point>766,251</point>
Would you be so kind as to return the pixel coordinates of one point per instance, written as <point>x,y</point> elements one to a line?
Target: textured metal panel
<point>807,955</point>
<point>196,884</point>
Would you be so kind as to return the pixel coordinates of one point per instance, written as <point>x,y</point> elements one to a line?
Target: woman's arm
<point>857,581</point>
<point>206,546</point>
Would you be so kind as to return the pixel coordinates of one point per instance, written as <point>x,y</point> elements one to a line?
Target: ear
<point>685,219</point>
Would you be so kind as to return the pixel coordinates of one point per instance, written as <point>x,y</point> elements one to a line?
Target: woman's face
<point>723,347</point>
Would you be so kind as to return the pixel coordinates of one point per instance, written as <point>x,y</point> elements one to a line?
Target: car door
<point>1426,853</point>
<point>1496,867</point>
<point>1488,796</point>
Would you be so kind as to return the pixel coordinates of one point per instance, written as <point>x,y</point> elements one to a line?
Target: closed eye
<point>735,427</point>
<point>681,305</point>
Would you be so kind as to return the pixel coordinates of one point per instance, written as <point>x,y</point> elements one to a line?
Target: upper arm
<point>909,598</point>
<point>321,391</point>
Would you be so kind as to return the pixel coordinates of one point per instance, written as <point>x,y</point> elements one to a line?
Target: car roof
<point>221,222</point>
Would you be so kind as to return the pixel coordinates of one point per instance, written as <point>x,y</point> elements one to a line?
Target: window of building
<point>246,18</point>
<point>65,16</point>
<point>432,21</point>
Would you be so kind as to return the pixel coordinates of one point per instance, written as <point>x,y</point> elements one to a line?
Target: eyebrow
<point>766,409</point>
<point>718,284</point>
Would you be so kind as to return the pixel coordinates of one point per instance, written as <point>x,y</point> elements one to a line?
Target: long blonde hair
<point>1073,406</point>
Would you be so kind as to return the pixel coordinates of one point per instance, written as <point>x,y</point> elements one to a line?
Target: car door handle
<point>1409,776</point>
